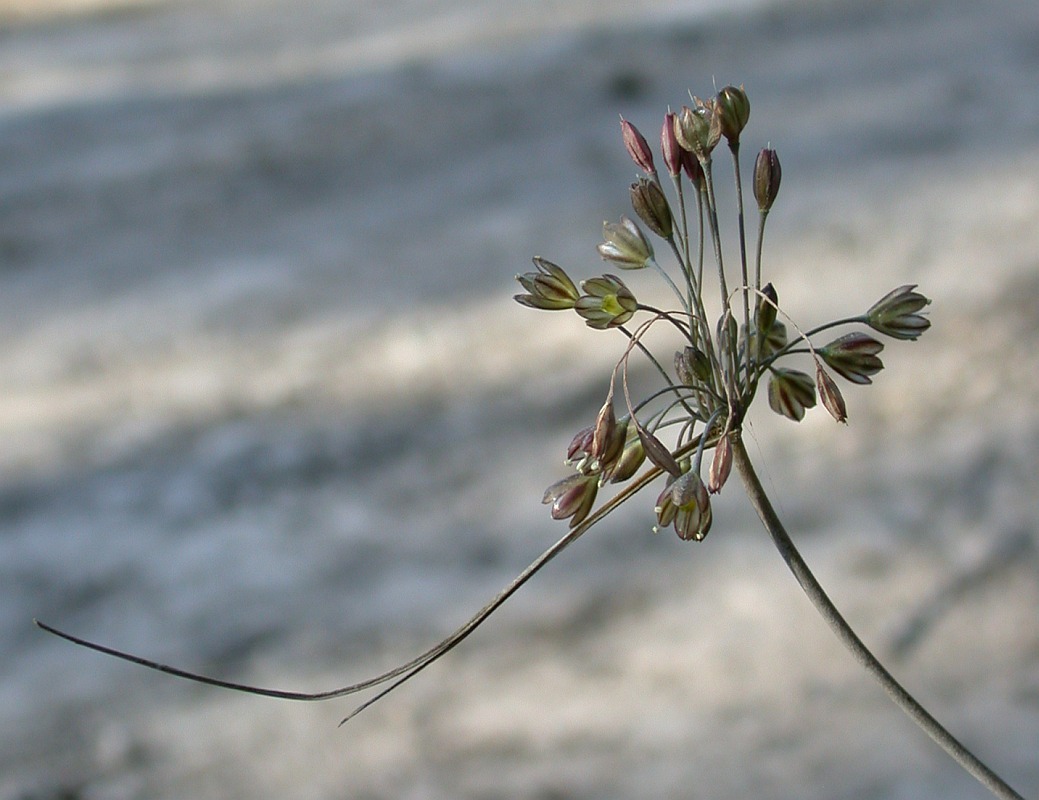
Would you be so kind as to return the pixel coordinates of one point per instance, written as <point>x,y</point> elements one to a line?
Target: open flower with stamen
<point>606,302</point>
<point>572,497</point>
<point>686,504</point>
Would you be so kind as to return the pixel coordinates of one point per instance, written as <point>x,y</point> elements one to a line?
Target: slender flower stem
<point>964,757</point>
<point>734,148</point>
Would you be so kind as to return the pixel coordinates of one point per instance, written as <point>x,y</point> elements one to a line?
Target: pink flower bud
<point>830,395</point>
<point>767,175</point>
<point>638,147</point>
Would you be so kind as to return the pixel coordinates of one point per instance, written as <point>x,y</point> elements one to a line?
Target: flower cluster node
<point>724,350</point>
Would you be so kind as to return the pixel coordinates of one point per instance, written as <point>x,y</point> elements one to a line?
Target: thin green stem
<point>964,757</point>
<point>734,148</point>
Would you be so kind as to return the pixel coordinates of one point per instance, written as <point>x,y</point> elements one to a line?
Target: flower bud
<point>733,110</point>
<point>853,357</point>
<point>632,456</point>
<point>895,314</point>
<point>693,169</point>
<point>603,432</point>
<point>657,452</point>
<point>768,308</point>
<point>767,175</point>
<point>698,129</point>
<point>692,366</point>
<point>606,302</point>
<point>721,465</point>
<point>550,288</point>
<point>790,392</point>
<point>638,147</point>
<point>572,497</point>
<point>685,503</point>
<point>651,206</point>
<point>670,147</point>
<point>832,399</point>
<point>625,245</point>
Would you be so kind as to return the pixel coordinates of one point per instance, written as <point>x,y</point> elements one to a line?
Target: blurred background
<point>268,410</point>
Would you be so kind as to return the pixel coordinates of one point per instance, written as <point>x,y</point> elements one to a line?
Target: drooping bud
<point>686,503</point>
<point>625,245</point>
<point>767,175</point>
<point>790,392</point>
<point>652,207</point>
<point>853,357</point>
<point>606,302</point>
<point>698,129</point>
<point>550,288</point>
<point>670,147</point>
<point>638,147</point>
<point>733,109</point>
<point>830,395</point>
<point>603,431</point>
<point>572,497</point>
<point>721,465</point>
<point>657,452</point>
<point>895,314</point>
<point>631,458</point>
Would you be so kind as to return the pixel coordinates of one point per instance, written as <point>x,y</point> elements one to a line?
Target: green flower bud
<point>606,302</point>
<point>895,314</point>
<point>767,175</point>
<point>632,456</point>
<point>625,245</point>
<point>692,366</point>
<point>550,288</point>
<point>651,206</point>
<point>733,110</point>
<point>698,129</point>
<point>767,309</point>
<point>790,392</point>
<point>853,357</point>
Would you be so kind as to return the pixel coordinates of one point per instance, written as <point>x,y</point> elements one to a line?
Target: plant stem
<point>964,757</point>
